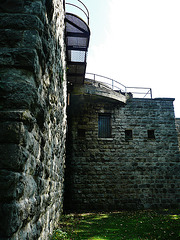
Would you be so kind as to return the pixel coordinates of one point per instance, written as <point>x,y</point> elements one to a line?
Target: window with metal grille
<point>151,134</point>
<point>128,135</point>
<point>104,126</point>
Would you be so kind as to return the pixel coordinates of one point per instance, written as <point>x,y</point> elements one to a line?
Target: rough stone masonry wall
<point>32,117</point>
<point>117,173</point>
<point>178,129</point>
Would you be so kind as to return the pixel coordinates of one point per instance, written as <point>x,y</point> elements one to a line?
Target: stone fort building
<point>70,143</point>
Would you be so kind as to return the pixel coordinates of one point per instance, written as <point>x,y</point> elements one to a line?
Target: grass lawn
<point>164,224</point>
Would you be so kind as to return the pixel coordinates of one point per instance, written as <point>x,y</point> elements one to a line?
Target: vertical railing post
<point>151,92</point>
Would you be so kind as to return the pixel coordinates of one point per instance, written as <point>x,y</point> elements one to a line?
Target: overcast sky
<point>137,42</point>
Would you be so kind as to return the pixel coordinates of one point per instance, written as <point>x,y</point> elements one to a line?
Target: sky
<point>137,42</point>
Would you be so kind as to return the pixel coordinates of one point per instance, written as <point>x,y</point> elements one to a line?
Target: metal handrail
<point>87,11</point>
<point>146,93</point>
<point>114,84</point>
<point>117,86</point>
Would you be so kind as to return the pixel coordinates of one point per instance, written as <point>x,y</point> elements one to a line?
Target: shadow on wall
<point>32,117</point>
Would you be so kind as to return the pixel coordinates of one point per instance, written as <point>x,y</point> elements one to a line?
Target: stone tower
<point>32,117</point>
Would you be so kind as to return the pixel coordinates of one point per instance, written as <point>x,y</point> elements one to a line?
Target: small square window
<point>104,126</point>
<point>151,134</point>
<point>128,135</point>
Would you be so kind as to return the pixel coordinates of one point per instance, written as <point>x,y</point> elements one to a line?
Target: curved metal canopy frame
<point>85,12</point>
<point>77,43</point>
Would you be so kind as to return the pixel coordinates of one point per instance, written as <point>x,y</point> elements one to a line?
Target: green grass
<point>136,225</point>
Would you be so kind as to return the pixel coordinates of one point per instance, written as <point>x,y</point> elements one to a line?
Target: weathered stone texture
<point>178,129</point>
<point>32,117</point>
<point>119,173</point>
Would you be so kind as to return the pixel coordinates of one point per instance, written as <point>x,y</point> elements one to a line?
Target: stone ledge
<point>19,57</point>
<point>20,21</point>
<point>17,115</point>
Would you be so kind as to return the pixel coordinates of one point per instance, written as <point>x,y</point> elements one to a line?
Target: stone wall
<point>122,172</point>
<point>32,117</point>
<point>178,129</point>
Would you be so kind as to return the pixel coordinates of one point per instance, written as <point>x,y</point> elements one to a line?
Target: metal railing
<point>108,82</point>
<point>140,91</point>
<point>119,87</point>
<point>80,5</point>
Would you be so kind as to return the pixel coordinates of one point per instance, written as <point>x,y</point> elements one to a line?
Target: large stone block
<point>17,89</point>
<point>10,38</point>
<point>12,157</point>
<point>11,6</point>
<point>12,132</point>
<point>24,58</point>
<point>11,186</point>
<point>20,22</point>
<point>9,219</point>
<point>17,95</point>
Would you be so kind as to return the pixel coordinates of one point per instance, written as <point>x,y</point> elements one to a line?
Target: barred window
<point>128,135</point>
<point>151,134</point>
<point>104,126</point>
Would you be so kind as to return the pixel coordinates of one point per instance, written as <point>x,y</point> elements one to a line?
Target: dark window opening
<point>151,134</point>
<point>81,133</point>
<point>128,135</point>
<point>104,126</point>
